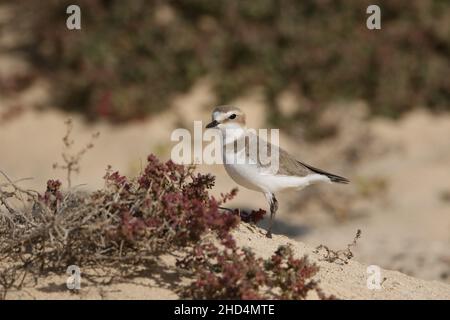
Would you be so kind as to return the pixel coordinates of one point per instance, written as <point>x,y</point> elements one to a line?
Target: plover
<point>249,171</point>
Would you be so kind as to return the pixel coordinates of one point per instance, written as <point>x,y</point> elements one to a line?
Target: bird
<point>245,167</point>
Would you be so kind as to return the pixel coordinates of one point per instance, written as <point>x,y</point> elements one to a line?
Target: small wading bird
<point>247,169</point>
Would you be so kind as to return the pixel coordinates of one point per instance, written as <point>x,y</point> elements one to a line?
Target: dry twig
<point>340,256</point>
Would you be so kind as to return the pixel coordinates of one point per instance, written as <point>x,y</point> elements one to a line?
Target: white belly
<point>244,175</point>
<point>252,177</point>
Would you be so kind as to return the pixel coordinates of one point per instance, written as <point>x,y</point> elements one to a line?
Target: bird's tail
<point>331,176</point>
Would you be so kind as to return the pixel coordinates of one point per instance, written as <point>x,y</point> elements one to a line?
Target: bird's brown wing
<point>290,166</point>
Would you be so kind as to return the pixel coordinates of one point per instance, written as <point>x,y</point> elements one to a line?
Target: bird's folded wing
<point>287,164</point>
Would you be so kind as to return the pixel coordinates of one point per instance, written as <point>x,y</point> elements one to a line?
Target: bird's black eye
<point>232,116</point>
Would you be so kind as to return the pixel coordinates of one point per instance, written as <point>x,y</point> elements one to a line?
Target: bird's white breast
<point>241,171</point>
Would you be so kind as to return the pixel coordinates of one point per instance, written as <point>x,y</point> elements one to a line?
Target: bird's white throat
<point>231,133</point>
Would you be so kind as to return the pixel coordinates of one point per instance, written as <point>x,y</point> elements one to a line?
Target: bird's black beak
<point>212,124</point>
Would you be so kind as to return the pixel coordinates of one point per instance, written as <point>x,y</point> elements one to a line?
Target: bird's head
<point>227,118</point>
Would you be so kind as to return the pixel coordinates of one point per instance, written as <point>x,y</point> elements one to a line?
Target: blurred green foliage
<point>131,57</point>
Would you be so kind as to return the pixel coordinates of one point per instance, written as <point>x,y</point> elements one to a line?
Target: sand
<point>348,281</point>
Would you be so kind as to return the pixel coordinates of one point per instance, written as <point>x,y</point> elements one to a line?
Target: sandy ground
<point>347,281</point>
<point>406,225</point>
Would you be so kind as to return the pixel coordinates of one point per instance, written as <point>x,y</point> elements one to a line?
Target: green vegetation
<point>131,57</point>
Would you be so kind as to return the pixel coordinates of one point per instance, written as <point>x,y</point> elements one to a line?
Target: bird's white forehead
<point>219,115</point>
<point>216,114</point>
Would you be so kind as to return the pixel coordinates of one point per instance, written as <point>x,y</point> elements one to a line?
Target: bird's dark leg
<point>273,209</point>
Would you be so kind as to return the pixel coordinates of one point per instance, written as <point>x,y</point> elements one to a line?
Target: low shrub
<point>130,223</point>
<point>236,273</point>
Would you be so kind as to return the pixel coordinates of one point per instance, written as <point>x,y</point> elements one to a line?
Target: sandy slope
<point>347,281</point>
